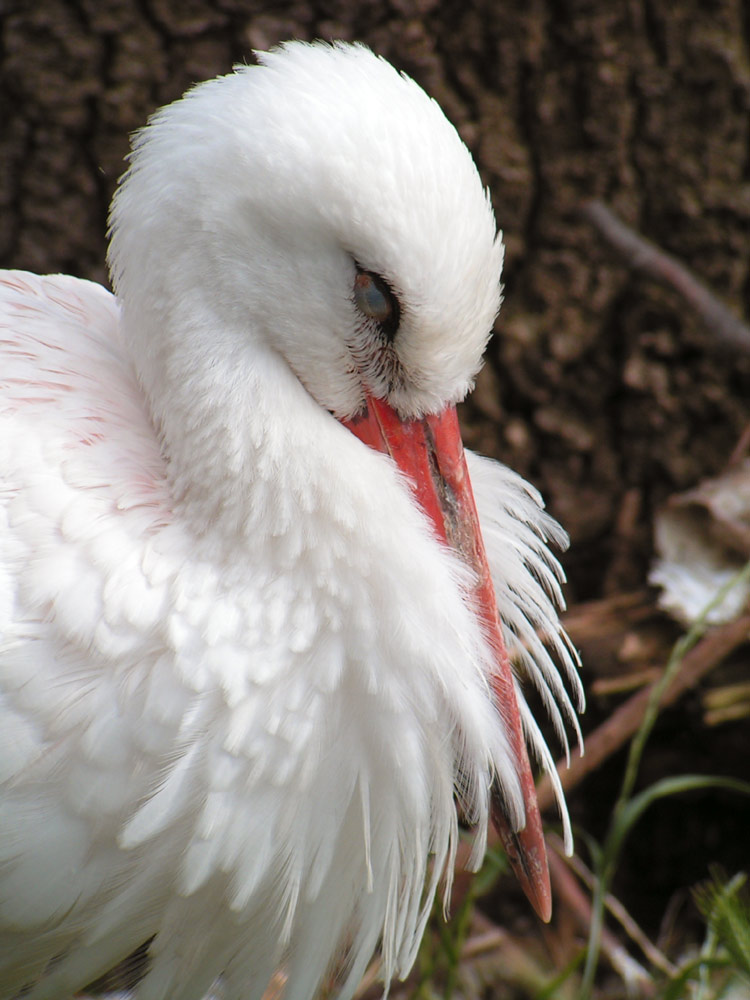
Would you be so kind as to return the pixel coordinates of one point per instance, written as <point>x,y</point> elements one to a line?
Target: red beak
<point>430,453</point>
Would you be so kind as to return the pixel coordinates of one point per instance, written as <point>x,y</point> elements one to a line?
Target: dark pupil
<point>375,299</point>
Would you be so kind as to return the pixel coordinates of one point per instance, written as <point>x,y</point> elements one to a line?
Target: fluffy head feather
<point>266,188</point>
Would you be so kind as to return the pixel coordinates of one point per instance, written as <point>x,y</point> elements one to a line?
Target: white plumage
<point>241,679</point>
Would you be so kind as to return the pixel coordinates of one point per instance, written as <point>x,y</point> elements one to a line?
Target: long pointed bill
<point>430,453</point>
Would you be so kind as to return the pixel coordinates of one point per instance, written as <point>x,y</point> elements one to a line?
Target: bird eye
<point>374,299</point>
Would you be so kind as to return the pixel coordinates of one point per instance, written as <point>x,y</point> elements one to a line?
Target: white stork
<point>250,657</point>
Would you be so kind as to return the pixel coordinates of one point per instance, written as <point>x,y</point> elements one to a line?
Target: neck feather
<point>245,444</point>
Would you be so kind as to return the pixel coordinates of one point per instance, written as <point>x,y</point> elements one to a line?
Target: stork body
<point>242,679</point>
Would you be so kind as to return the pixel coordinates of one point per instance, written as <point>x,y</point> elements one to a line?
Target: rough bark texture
<point>601,387</point>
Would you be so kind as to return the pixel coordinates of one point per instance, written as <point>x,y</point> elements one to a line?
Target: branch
<point>570,893</point>
<point>643,256</point>
<point>622,724</point>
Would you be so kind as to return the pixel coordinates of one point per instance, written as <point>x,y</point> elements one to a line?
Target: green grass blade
<point>619,826</point>
<point>634,809</point>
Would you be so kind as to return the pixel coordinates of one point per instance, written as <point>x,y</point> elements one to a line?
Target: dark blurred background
<point>601,388</point>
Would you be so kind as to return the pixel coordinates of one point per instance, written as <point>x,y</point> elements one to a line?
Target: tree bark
<point>602,386</point>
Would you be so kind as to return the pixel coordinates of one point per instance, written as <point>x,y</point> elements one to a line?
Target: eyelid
<point>375,299</point>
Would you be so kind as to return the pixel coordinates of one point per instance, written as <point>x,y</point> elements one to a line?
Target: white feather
<point>240,681</point>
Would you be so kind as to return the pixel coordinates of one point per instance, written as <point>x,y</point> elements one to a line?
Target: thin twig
<point>657,958</point>
<point>624,721</point>
<point>643,256</point>
<point>612,734</point>
<point>625,810</point>
<point>487,942</point>
<point>568,891</point>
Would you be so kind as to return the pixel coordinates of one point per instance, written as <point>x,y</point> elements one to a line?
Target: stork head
<point>337,216</point>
